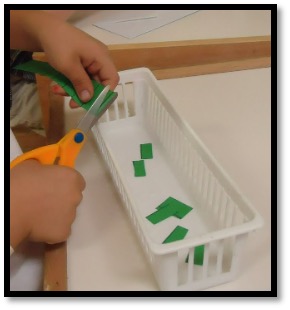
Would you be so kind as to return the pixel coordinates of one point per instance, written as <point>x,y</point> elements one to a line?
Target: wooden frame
<point>186,58</point>
<point>166,60</point>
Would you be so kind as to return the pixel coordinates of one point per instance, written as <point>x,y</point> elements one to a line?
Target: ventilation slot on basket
<point>194,265</point>
<point>123,107</point>
<point>209,262</point>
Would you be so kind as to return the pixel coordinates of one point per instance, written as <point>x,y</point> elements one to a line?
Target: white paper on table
<point>116,16</point>
<point>131,24</point>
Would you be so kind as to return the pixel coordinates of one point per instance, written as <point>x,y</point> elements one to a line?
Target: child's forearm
<point>26,28</point>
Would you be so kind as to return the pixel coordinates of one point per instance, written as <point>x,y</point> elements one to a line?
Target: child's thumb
<point>81,83</point>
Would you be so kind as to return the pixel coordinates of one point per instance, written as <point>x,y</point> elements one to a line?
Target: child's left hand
<point>79,57</point>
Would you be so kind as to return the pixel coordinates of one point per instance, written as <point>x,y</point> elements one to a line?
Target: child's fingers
<point>58,90</point>
<point>73,104</point>
<point>104,73</point>
<point>80,80</point>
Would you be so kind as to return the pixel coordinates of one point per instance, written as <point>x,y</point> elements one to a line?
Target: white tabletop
<point>231,114</point>
<point>209,24</point>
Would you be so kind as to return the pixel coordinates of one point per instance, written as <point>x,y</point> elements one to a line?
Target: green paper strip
<point>182,208</point>
<point>198,255</point>
<point>139,168</point>
<point>169,207</point>
<point>177,234</point>
<point>162,214</point>
<point>146,151</point>
<point>43,68</point>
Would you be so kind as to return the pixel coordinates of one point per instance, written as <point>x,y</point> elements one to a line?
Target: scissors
<point>67,149</point>
<point>64,153</point>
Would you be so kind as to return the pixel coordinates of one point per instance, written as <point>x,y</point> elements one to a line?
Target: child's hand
<point>58,90</point>
<point>69,50</point>
<point>79,57</point>
<point>43,202</point>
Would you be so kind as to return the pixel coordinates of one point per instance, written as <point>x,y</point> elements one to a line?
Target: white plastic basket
<point>183,168</point>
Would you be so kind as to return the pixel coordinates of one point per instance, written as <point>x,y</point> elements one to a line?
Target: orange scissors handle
<point>70,146</point>
<point>67,149</point>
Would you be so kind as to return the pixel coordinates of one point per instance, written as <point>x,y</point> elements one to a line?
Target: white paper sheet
<point>131,24</point>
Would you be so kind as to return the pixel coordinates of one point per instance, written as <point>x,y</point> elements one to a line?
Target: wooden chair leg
<point>28,139</point>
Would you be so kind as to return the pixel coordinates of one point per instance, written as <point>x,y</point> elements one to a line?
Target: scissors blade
<point>91,117</point>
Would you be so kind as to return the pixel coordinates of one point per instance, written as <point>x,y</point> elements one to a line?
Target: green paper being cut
<point>43,68</point>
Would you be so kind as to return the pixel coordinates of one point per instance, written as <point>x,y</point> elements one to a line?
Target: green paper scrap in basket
<point>146,151</point>
<point>139,168</point>
<point>198,255</point>
<point>169,207</point>
<point>43,68</point>
<point>177,234</point>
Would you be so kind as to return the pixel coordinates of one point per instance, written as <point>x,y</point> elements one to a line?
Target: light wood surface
<point>55,267</point>
<point>51,105</point>
<point>166,60</point>
<point>218,67</point>
<point>242,52</point>
<point>181,54</point>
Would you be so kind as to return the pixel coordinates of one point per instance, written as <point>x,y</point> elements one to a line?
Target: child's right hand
<point>43,202</point>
